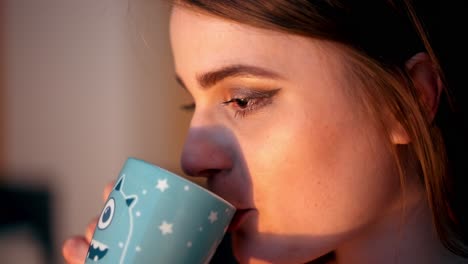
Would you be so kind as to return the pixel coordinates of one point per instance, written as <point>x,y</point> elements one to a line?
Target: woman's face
<point>277,133</point>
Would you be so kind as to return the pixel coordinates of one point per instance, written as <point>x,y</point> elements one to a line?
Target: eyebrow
<point>211,78</point>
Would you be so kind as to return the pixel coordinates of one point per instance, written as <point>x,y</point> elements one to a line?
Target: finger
<point>108,190</point>
<point>90,229</point>
<point>74,250</point>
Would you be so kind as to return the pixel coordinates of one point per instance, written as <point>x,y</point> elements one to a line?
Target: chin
<point>245,250</point>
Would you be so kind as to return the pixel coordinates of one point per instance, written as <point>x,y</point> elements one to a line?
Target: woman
<point>327,124</point>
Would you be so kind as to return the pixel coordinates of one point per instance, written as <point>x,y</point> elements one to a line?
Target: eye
<point>249,100</point>
<point>242,103</point>
<point>107,214</point>
<point>188,107</point>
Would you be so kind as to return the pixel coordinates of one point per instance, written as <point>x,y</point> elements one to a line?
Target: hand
<point>74,249</point>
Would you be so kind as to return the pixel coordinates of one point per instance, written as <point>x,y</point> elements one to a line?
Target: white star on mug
<point>213,216</point>
<point>166,228</point>
<point>162,185</point>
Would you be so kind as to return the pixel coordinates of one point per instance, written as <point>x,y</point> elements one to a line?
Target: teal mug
<point>155,216</point>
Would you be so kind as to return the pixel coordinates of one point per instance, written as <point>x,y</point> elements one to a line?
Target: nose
<point>206,152</point>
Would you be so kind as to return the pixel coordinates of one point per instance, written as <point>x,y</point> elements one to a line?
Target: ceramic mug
<point>155,216</point>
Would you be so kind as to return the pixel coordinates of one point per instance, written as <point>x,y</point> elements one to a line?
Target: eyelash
<point>253,100</point>
<point>247,105</point>
<point>188,107</point>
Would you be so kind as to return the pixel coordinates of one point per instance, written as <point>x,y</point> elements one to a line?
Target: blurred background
<point>83,85</point>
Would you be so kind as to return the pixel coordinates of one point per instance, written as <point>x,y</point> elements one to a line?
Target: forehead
<point>202,42</point>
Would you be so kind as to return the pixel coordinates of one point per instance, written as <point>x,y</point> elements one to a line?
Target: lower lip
<point>238,219</point>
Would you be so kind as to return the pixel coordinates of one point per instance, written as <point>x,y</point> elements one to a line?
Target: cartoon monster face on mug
<point>117,213</point>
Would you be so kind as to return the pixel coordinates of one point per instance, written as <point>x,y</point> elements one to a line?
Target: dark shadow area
<point>28,207</point>
<point>224,254</point>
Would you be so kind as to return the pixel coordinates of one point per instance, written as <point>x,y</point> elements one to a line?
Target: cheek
<point>320,174</point>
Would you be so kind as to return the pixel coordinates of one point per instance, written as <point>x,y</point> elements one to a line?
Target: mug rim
<point>183,179</point>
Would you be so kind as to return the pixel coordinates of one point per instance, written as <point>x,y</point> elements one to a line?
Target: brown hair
<point>380,36</point>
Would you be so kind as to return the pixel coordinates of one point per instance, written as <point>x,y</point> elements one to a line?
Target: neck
<point>405,235</point>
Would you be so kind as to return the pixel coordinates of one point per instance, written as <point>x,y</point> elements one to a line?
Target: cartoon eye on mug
<point>107,214</point>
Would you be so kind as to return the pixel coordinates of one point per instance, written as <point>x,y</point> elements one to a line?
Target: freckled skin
<point>311,163</point>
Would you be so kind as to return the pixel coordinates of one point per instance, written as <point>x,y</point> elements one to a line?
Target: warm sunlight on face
<point>278,134</point>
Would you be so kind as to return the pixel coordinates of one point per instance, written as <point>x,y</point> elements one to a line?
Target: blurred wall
<point>82,93</point>
<point>2,96</point>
